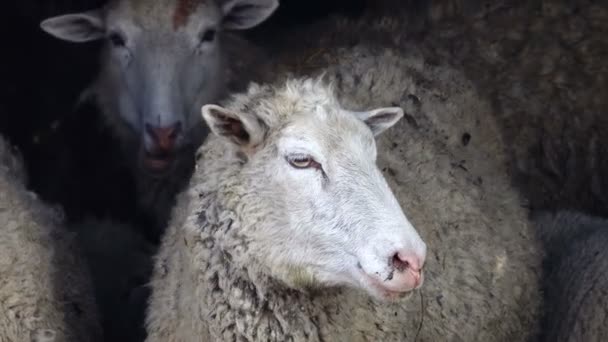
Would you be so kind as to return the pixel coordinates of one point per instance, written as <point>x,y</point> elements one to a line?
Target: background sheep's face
<point>323,211</point>
<point>162,61</point>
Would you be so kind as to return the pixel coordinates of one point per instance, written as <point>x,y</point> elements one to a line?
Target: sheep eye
<point>116,39</point>
<point>303,162</point>
<point>208,36</point>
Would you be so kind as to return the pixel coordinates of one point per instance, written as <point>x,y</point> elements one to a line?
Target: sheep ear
<point>245,14</point>
<point>77,27</point>
<point>381,119</point>
<point>242,129</point>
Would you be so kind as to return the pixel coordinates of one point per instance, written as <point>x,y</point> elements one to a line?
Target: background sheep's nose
<point>164,138</point>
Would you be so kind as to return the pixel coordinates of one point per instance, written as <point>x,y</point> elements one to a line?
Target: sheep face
<point>323,212</point>
<point>162,60</point>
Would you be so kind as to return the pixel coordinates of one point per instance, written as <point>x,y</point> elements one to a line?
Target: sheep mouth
<point>158,164</point>
<point>381,291</point>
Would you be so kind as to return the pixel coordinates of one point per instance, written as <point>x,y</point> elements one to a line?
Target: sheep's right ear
<point>77,27</point>
<point>381,119</point>
<point>245,14</point>
<point>241,128</point>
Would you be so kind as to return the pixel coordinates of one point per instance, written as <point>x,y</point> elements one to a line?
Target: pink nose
<point>164,137</point>
<point>407,271</point>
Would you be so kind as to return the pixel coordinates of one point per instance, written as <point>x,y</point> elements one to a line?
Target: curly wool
<point>45,294</point>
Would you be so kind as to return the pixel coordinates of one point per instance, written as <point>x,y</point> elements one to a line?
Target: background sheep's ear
<point>77,28</point>
<point>244,14</point>
<point>381,119</point>
<point>242,129</point>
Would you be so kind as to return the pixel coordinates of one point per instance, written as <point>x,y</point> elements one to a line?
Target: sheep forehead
<point>334,127</point>
<point>307,110</point>
<point>280,105</point>
<point>318,113</point>
<point>167,14</point>
<point>334,136</point>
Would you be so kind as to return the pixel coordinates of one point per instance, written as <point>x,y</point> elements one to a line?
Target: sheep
<point>161,61</point>
<point>542,65</point>
<point>576,277</point>
<point>542,69</point>
<point>263,246</point>
<point>44,288</point>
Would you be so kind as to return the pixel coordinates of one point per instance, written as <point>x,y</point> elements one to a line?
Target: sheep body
<point>44,288</point>
<point>576,277</point>
<point>483,262</point>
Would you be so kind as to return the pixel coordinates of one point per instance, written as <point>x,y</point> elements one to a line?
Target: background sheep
<point>541,64</point>
<point>576,278</point>
<point>481,271</point>
<point>161,62</point>
<point>44,288</point>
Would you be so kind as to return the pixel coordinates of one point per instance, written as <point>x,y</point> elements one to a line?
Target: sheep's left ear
<point>244,130</point>
<point>381,119</point>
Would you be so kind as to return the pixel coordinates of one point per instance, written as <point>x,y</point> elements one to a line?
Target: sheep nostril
<point>399,264</point>
<point>403,261</point>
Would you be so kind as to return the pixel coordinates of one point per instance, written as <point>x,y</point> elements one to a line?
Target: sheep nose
<point>410,265</point>
<point>164,138</point>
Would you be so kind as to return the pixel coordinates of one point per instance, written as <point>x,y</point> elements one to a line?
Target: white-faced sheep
<point>45,293</point>
<point>289,232</point>
<point>577,276</point>
<point>162,61</point>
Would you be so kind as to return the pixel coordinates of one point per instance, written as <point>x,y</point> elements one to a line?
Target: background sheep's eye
<point>116,39</point>
<point>208,36</point>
